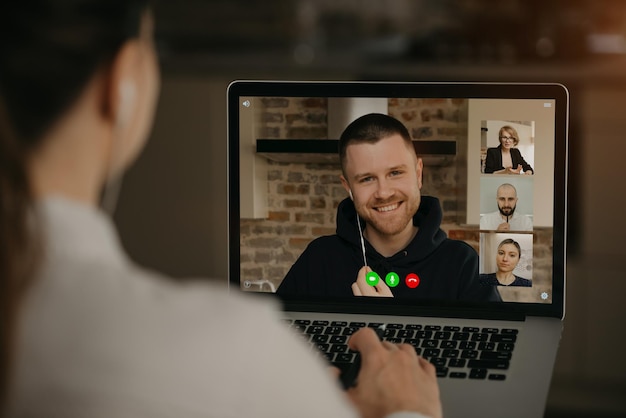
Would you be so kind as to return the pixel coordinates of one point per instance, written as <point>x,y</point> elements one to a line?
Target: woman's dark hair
<point>511,241</point>
<point>49,50</point>
<point>370,128</point>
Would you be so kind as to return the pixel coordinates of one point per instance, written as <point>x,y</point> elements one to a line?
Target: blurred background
<point>172,210</point>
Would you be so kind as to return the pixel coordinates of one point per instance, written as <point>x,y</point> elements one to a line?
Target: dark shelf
<point>325,150</point>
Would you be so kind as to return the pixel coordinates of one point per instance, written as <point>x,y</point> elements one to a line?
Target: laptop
<point>494,356</point>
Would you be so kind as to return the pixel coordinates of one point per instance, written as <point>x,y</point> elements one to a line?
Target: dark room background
<point>173,206</point>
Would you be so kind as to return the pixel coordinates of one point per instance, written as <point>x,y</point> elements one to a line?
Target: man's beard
<point>503,213</point>
<point>389,227</point>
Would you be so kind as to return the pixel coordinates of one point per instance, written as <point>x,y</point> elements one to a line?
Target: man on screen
<point>505,218</point>
<point>394,246</point>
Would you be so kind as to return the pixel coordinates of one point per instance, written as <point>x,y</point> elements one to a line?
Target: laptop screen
<point>473,218</point>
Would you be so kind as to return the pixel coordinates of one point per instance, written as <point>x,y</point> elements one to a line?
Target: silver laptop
<point>485,301</point>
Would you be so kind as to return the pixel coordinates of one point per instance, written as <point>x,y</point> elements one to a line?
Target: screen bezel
<point>547,91</point>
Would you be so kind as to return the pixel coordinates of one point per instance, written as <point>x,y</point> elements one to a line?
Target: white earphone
<point>358,222</point>
<point>111,189</point>
<point>128,92</point>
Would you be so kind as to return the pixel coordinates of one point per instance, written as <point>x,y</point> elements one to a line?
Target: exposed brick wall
<point>302,198</point>
<point>440,120</point>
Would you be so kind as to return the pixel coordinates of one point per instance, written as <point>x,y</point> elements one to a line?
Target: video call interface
<point>488,162</point>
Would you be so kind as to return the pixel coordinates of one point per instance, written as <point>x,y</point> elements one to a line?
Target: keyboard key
<point>451,328</point>
<point>338,339</point>
<point>424,334</point>
<point>318,322</point>
<point>505,347</point>
<point>469,354</point>
<point>495,355</point>
<point>438,362</point>
<point>488,364</point>
<point>314,329</point>
<point>338,348</point>
<point>413,327</point>
<point>405,333</point>
<point>480,337</point>
<point>508,331</point>
<point>432,327</point>
<point>339,324</point>
<point>300,327</point>
<point>457,362</point>
<point>320,338</point>
<point>431,352</point>
<point>350,330</point>
<point>430,343</point>
<point>500,338</point>
<point>412,341</point>
<point>302,322</point>
<point>333,330</point>
<point>395,326</point>
<point>487,346</point>
<point>450,353</point>
<point>448,344</point>
<point>491,330</point>
<point>478,374</point>
<point>442,335</point>
<point>457,375</point>
<point>470,329</point>
<point>467,345</point>
<point>442,371</point>
<point>344,358</point>
<point>461,336</point>
<point>497,377</point>
<point>322,347</point>
<point>357,324</point>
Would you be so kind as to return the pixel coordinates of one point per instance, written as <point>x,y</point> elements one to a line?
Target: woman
<point>505,158</point>
<point>84,331</point>
<point>507,258</point>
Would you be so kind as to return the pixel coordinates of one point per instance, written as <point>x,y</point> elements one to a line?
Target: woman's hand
<point>392,378</point>
<point>511,170</point>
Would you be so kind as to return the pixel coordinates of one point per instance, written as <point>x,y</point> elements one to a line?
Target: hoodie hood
<point>429,235</point>
<point>447,269</point>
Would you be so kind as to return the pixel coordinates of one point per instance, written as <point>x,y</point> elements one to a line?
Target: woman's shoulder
<point>488,279</point>
<point>520,281</point>
<point>493,150</point>
<point>157,332</point>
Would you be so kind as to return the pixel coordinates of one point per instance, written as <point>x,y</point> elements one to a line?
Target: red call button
<point>412,280</point>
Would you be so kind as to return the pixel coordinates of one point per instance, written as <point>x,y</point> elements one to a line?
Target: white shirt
<point>100,337</point>
<point>517,222</point>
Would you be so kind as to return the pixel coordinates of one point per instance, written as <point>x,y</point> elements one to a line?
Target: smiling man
<point>394,247</point>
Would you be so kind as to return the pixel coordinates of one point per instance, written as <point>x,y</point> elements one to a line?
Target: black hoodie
<point>447,269</point>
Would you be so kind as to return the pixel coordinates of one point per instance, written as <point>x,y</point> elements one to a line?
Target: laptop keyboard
<point>456,352</point>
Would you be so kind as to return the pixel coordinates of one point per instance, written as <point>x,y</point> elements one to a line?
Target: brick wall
<point>439,119</point>
<point>302,198</point>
